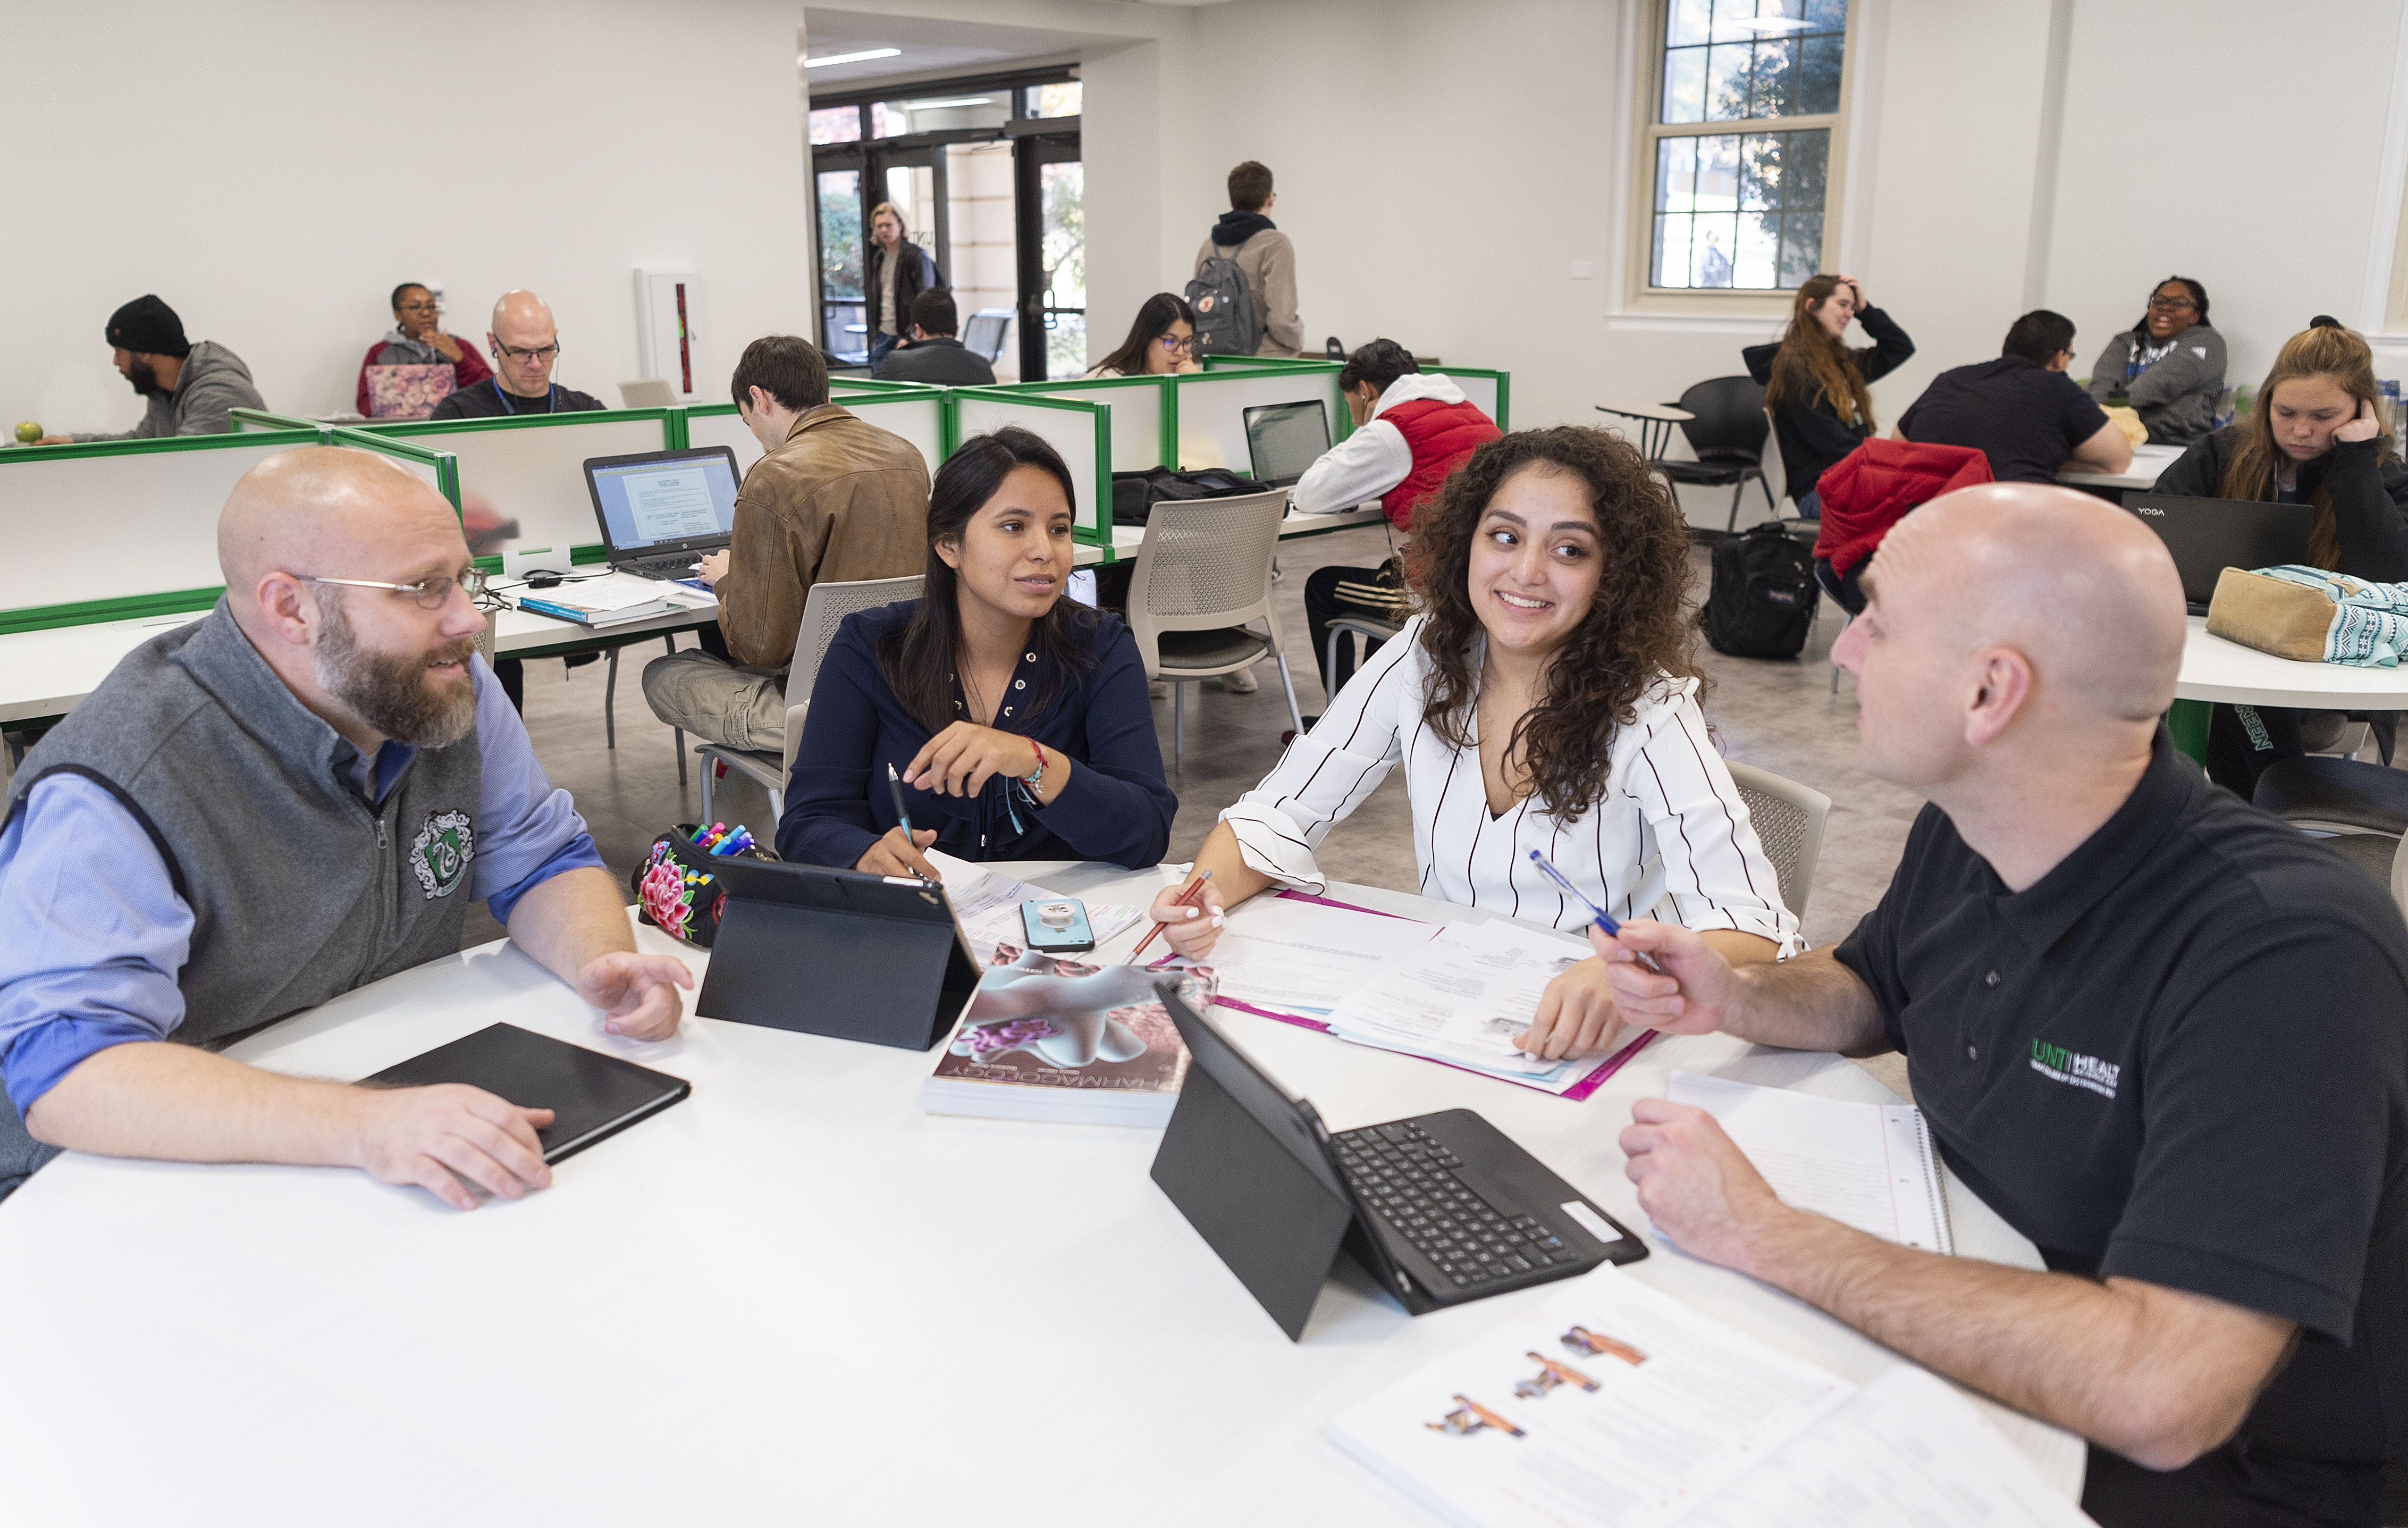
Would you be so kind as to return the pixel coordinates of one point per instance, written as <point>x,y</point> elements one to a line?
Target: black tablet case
<point>836,953</point>
<point>591,1096</point>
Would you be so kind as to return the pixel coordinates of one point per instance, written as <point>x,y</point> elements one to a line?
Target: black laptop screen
<point>666,502</point>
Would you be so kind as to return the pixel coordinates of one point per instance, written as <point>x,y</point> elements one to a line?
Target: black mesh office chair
<point>1727,435</point>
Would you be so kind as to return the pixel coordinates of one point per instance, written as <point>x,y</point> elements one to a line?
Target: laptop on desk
<point>661,510</point>
<point>1440,1209</point>
<point>2206,536</point>
<point>1285,438</point>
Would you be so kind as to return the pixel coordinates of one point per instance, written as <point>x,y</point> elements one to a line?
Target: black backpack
<point>1762,599</point>
<point>1135,494</point>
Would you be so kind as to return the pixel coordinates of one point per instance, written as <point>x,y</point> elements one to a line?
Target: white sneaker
<point>1241,681</point>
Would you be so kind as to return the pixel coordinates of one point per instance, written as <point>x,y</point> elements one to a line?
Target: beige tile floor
<point>1782,717</point>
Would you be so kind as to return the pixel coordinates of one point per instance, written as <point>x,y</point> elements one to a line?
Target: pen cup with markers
<point>676,889</point>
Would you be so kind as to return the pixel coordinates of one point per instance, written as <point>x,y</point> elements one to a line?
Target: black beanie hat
<point>147,326</point>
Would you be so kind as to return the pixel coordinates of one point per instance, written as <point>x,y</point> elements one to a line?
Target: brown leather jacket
<point>841,500</point>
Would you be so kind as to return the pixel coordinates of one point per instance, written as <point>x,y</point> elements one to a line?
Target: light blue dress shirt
<point>96,933</point>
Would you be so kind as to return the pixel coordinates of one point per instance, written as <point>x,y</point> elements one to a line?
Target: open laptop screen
<point>665,501</point>
<point>1284,439</point>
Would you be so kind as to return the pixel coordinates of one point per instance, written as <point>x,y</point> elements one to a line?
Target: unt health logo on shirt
<point>2062,1065</point>
<point>442,852</point>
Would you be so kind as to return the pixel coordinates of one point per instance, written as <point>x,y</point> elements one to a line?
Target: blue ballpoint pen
<point>1603,919</point>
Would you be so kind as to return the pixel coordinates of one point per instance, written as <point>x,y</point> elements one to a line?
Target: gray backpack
<point>1225,307</point>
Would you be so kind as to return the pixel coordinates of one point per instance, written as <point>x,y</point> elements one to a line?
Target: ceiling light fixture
<point>826,59</point>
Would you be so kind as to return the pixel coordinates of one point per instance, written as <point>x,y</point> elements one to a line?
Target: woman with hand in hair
<point>1543,699</point>
<point>1815,384</point>
<point>1016,720</point>
<point>2318,437</point>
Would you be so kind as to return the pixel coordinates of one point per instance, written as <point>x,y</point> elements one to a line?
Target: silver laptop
<point>661,510</point>
<point>1285,438</point>
<point>650,392</point>
<point>2207,536</point>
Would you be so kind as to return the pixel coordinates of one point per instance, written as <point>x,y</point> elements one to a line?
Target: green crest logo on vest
<point>442,852</point>
<point>2056,1063</point>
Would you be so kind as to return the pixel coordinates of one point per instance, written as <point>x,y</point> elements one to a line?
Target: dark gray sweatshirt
<point>214,381</point>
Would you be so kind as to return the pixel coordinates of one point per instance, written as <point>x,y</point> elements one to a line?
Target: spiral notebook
<point>1867,1165</point>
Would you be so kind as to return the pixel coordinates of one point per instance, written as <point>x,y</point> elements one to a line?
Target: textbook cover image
<point>1054,1038</point>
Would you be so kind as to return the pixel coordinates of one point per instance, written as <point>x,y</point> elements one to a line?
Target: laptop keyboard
<point>1408,1179</point>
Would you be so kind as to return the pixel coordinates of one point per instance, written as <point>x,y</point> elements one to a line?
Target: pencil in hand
<point>1188,897</point>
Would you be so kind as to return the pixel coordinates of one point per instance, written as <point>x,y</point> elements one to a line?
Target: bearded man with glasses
<point>525,343</point>
<point>294,796</point>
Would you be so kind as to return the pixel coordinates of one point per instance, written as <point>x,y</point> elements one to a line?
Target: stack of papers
<point>1289,957</point>
<point>988,906</point>
<point>1867,1165</point>
<point>1461,996</point>
<point>608,600</point>
<point>1616,1406</point>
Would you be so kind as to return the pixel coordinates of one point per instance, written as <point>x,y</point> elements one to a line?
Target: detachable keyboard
<point>1407,1178</point>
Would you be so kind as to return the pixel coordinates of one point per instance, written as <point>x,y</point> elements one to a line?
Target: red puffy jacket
<point>1870,489</point>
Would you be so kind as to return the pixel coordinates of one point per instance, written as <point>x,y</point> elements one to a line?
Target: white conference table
<point>2148,464</point>
<point>1127,538</point>
<point>49,672</point>
<point>794,1296</point>
<point>2213,668</point>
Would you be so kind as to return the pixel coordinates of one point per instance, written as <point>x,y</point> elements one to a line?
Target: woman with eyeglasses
<point>1160,343</point>
<point>418,339</point>
<point>1016,721</point>
<point>2169,367</point>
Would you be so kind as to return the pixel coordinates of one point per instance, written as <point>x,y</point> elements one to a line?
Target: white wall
<point>273,168</point>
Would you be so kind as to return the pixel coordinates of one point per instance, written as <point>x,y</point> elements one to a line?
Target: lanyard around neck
<point>550,396</point>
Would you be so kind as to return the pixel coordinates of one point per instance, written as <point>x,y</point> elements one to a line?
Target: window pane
<point>1709,260</point>
<point>1803,164</point>
<point>1756,260</point>
<point>1063,229</point>
<point>1776,67</point>
<point>1826,15</point>
<point>1685,85</point>
<point>1801,247</point>
<point>887,120</point>
<point>1676,174</point>
<point>1056,100</point>
<point>1726,81</point>
<point>1759,180</point>
<point>1671,263</point>
<point>1818,75</point>
<point>1717,174</point>
<point>1687,22</point>
<point>835,124</point>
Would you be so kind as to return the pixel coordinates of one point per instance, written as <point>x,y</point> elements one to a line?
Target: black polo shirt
<point>2182,1056</point>
<point>487,400</point>
<point>2025,418</point>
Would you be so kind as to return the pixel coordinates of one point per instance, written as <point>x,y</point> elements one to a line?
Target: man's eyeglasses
<point>540,353</point>
<point>430,593</point>
<point>2171,304</point>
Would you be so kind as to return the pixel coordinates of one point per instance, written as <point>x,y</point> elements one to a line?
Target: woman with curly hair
<point>1542,699</point>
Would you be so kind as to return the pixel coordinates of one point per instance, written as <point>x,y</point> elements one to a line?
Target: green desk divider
<point>549,498</point>
<point>1132,450</point>
<point>1086,448</point>
<point>443,466</point>
<point>128,496</point>
<point>258,421</point>
<point>1502,411</point>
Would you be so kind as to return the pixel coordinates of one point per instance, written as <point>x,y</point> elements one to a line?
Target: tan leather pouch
<point>2271,615</point>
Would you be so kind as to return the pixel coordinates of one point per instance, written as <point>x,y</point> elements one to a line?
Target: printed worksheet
<point>1463,996</point>
<point>672,506</point>
<point>1297,957</point>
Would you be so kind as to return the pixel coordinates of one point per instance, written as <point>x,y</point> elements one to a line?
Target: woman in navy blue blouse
<point>1018,720</point>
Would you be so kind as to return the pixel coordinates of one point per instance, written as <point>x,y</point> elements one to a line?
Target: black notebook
<point>591,1095</point>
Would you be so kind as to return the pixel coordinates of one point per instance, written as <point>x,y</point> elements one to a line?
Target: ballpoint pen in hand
<point>1603,919</point>
<point>895,784</point>
<point>1187,898</point>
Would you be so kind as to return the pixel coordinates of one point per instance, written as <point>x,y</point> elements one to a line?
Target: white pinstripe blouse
<point>1672,839</point>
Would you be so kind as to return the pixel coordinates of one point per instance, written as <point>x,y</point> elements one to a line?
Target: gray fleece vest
<point>300,890</point>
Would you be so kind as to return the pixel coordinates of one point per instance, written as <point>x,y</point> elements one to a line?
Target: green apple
<point>28,432</point>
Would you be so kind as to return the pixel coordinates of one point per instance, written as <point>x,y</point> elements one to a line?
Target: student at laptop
<point>934,355</point>
<point>1161,341</point>
<point>1543,699</point>
<point>1016,719</point>
<point>1411,428</point>
<point>836,499</point>
<point>292,797</point>
<point>2162,1034</point>
<point>2316,436</point>
<point>527,346</point>
<point>2021,410</point>
<point>418,339</point>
